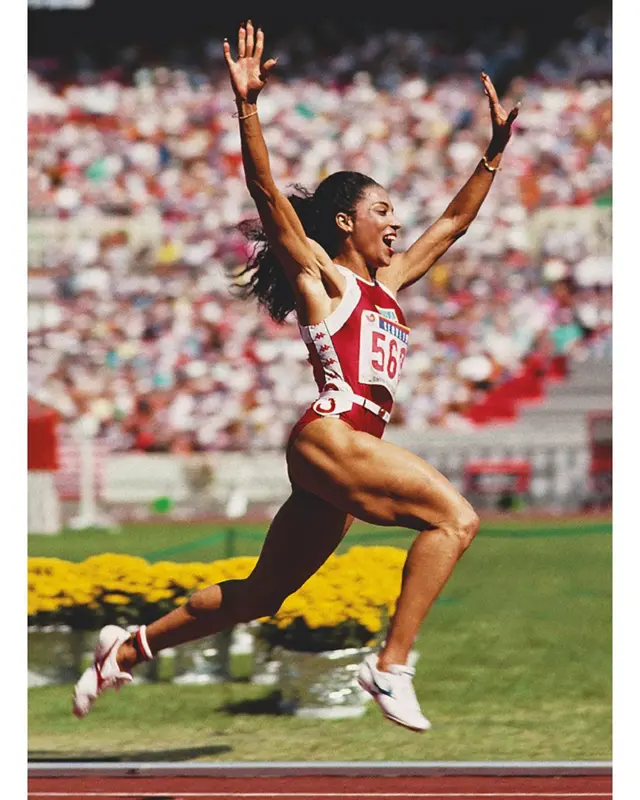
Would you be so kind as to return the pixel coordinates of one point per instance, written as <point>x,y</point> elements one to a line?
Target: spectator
<point>131,318</point>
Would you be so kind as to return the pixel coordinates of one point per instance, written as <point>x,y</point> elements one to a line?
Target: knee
<point>204,602</point>
<point>464,525</point>
<point>259,599</point>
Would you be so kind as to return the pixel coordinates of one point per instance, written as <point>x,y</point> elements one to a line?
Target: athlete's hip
<point>360,413</point>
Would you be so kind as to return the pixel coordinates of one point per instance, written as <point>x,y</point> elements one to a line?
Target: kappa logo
<point>388,313</point>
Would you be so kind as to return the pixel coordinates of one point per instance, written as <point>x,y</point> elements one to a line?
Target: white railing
<point>206,483</point>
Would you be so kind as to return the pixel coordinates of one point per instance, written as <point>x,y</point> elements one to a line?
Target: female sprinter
<point>329,256</point>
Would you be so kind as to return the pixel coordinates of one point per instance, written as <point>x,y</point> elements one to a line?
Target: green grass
<point>515,664</point>
<point>202,541</point>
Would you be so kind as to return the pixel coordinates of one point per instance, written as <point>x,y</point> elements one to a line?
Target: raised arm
<point>408,267</point>
<point>280,222</point>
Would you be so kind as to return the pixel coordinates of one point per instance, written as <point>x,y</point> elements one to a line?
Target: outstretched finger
<point>259,44</point>
<point>489,89</point>
<point>250,39</point>
<point>227,52</point>
<point>242,41</point>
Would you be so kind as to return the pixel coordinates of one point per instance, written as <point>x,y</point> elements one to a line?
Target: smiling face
<point>373,227</point>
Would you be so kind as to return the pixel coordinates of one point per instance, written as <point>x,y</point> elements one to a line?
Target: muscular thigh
<point>374,480</point>
<point>303,534</point>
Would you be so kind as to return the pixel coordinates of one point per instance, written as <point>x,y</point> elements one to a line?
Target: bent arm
<point>407,268</point>
<point>454,223</point>
<point>280,222</point>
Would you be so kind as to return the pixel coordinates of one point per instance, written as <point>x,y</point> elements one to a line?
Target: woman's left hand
<point>501,122</point>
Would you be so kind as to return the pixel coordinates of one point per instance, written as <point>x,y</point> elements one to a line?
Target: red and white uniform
<point>357,354</point>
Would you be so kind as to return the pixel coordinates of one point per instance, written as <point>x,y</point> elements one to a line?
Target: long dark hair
<point>263,276</point>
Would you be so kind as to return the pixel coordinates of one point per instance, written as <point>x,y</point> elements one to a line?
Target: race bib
<point>383,349</point>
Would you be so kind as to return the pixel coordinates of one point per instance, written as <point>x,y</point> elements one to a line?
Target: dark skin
<point>338,473</point>
<point>365,251</point>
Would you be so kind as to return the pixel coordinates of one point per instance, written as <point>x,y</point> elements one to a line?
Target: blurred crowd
<point>136,190</point>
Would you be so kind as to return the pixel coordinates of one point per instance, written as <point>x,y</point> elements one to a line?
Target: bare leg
<point>429,564</point>
<point>379,482</point>
<point>303,534</point>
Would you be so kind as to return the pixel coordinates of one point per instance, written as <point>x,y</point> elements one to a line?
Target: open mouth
<point>388,240</point>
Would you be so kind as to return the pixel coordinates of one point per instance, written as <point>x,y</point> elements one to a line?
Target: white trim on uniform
<point>340,401</point>
<point>319,337</point>
<point>388,291</point>
<point>345,308</point>
<point>359,277</point>
<point>341,313</point>
<point>346,271</point>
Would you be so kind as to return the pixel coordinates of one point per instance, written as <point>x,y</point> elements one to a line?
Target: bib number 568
<point>386,358</point>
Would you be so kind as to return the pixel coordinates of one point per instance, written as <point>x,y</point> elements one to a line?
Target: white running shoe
<point>393,692</point>
<point>104,673</point>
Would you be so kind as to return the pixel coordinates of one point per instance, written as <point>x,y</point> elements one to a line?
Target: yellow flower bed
<point>346,602</point>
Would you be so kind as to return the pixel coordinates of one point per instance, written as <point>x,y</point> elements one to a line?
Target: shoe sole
<point>97,665</point>
<point>386,715</point>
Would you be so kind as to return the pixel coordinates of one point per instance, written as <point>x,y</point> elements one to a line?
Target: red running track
<point>469,787</point>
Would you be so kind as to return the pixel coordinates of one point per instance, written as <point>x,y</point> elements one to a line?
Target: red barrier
<point>42,437</point>
<point>495,477</point>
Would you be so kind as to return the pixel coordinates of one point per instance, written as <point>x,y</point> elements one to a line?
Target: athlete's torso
<point>361,346</point>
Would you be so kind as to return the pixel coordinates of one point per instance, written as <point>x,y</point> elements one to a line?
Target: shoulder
<point>317,295</point>
<point>321,255</point>
<point>329,271</point>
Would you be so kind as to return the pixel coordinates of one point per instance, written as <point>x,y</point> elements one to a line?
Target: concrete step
<point>588,374</point>
<point>578,387</point>
<point>572,390</point>
<point>556,431</point>
<point>576,404</point>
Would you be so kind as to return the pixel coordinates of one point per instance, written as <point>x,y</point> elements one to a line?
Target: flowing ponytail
<point>263,276</point>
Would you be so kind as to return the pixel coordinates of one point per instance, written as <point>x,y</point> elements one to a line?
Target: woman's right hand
<point>248,75</point>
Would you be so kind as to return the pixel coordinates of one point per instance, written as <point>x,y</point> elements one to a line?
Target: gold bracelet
<point>486,165</point>
<point>246,116</point>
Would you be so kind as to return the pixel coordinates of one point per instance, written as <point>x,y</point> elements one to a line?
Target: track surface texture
<point>174,787</point>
